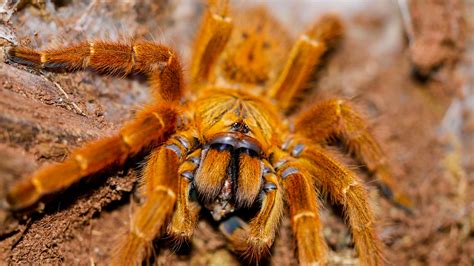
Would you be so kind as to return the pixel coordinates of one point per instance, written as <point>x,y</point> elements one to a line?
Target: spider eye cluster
<point>240,127</point>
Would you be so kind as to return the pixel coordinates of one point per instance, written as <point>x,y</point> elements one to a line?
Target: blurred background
<point>407,65</point>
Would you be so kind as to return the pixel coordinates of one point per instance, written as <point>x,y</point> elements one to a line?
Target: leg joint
<point>166,190</point>
<point>302,214</point>
<point>346,189</point>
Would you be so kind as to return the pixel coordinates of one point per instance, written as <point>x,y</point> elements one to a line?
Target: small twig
<point>82,22</point>
<point>74,105</point>
<point>7,9</point>
<point>23,233</point>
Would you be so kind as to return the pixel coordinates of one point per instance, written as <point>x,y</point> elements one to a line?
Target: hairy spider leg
<point>211,39</point>
<point>159,188</point>
<point>301,197</point>
<point>150,127</point>
<point>255,239</point>
<point>159,62</point>
<point>346,189</point>
<point>336,118</point>
<point>185,216</point>
<point>304,57</point>
<point>161,175</point>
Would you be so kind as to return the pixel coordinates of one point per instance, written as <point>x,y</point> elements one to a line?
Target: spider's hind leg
<point>336,118</point>
<point>345,188</point>
<point>302,199</point>
<point>212,37</point>
<point>304,57</point>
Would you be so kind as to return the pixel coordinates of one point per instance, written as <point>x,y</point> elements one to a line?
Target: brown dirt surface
<point>425,124</point>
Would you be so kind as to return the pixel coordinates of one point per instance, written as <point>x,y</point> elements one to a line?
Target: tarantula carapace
<point>227,139</point>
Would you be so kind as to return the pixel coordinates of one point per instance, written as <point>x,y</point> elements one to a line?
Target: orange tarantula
<point>227,139</point>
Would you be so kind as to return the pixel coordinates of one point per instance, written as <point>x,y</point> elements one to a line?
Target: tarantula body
<point>225,141</point>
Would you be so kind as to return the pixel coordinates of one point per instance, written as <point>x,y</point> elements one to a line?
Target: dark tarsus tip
<point>406,209</point>
<point>386,191</point>
<point>12,56</point>
<point>388,194</point>
<point>423,76</point>
<point>9,52</point>
<point>229,226</point>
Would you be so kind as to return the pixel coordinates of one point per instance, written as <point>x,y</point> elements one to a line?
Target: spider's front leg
<point>212,37</point>
<point>346,189</point>
<point>303,203</point>
<point>151,126</point>
<point>161,181</point>
<point>161,191</point>
<point>159,62</point>
<point>336,118</point>
<point>185,217</point>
